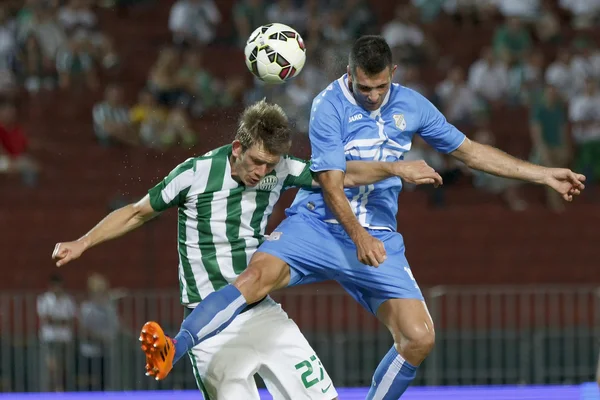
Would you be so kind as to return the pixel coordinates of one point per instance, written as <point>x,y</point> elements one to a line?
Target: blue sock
<point>210,317</point>
<point>392,377</point>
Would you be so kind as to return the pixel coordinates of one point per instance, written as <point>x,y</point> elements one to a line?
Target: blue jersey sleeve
<point>435,130</point>
<point>325,132</point>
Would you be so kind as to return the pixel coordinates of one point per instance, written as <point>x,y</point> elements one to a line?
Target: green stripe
<point>198,377</point>
<point>233,222</point>
<point>188,274</point>
<point>155,193</point>
<point>204,210</point>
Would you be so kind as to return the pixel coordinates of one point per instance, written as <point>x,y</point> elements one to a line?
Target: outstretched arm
<point>115,224</point>
<point>169,192</point>
<point>496,162</point>
<point>360,173</point>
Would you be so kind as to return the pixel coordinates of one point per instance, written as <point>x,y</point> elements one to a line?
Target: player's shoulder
<point>287,159</point>
<point>220,153</point>
<point>291,166</point>
<point>223,151</point>
<point>330,97</point>
<point>405,94</point>
<point>201,164</point>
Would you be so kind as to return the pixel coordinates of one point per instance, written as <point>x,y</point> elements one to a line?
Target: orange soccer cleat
<point>159,350</point>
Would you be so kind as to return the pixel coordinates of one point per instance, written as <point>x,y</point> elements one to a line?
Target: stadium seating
<point>455,245</point>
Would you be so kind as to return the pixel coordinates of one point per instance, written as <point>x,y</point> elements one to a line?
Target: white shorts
<point>266,341</point>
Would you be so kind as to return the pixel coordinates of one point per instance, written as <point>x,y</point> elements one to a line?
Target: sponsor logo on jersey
<point>356,117</point>
<point>268,183</point>
<point>399,121</point>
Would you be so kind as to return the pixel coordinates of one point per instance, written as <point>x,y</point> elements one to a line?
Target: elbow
<point>349,182</point>
<point>137,214</point>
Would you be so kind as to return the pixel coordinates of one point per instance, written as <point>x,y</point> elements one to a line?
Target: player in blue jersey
<point>341,234</point>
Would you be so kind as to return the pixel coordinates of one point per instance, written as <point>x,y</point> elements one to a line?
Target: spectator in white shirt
<point>560,75</point>
<point>584,12</point>
<point>585,63</point>
<point>404,36</point>
<point>458,101</point>
<point>288,13</point>
<point>194,21</point>
<point>56,311</point>
<point>527,10</point>
<point>584,114</point>
<point>488,76</point>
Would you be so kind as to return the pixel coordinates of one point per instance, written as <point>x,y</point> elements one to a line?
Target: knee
<point>417,345</point>
<point>254,284</point>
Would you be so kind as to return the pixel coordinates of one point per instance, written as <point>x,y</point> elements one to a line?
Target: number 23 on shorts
<point>308,374</point>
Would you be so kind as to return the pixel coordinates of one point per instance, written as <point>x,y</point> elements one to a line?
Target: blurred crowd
<point>529,62</point>
<point>542,55</point>
<point>77,338</point>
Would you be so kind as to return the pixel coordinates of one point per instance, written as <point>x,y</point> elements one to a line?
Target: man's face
<point>369,91</point>
<point>253,164</point>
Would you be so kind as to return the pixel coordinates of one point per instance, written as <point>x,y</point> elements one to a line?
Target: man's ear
<point>236,148</point>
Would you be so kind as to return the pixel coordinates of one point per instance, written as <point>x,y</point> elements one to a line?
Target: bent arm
<point>332,184</point>
<point>359,173</point>
<point>496,162</point>
<point>119,222</point>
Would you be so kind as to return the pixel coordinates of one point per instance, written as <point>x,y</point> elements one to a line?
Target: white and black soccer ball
<point>275,53</point>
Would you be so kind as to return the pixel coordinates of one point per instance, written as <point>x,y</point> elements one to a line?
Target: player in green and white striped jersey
<point>224,199</point>
<point>222,220</point>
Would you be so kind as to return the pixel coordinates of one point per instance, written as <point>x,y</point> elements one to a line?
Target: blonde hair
<point>264,124</point>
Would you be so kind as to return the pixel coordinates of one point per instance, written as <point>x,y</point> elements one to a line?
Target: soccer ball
<point>275,53</point>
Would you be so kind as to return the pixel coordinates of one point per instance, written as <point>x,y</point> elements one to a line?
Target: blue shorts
<point>317,251</point>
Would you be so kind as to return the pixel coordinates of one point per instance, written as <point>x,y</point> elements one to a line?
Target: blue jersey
<point>341,130</point>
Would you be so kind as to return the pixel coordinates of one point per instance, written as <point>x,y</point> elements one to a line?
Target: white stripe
<point>405,147</point>
<point>363,153</point>
<point>362,211</point>
<point>246,231</point>
<point>184,287</point>
<point>388,378</point>
<point>218,226</point>
<point>354,202</point>
<point>295,167</point>
<point>387,152</point>
<point>221,317</point>
<point>192,238</point>
<point>183,180</point>
<point>364,143</point>
<point>275,194</point>
<point>381,125</point>
<point>343,82</point>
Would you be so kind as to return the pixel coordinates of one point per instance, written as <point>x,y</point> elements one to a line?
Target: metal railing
<point>484,335</point>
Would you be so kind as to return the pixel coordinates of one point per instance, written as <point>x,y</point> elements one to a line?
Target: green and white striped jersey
<point>221,222</point>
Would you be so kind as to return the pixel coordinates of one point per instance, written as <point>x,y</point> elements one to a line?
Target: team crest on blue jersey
<point>268,183</point>
<point>399,121</point>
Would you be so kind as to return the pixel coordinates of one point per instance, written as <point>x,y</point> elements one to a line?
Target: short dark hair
<point>371,53</point>
<point>265,124</point>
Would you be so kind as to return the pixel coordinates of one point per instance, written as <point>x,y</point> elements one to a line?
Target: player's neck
<point>234,174</point>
